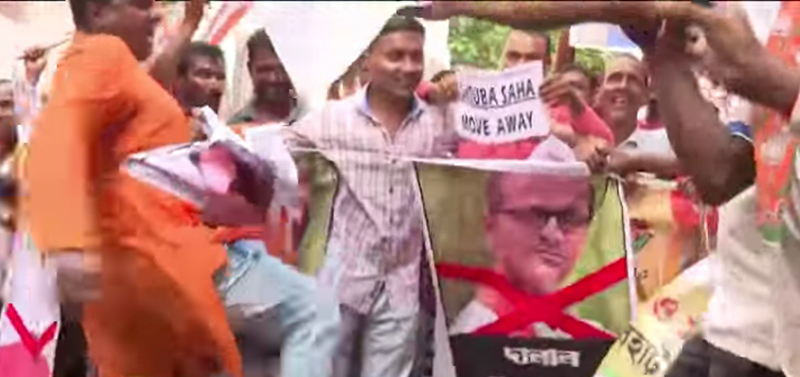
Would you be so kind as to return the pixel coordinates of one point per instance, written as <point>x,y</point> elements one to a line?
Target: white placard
<point>499,107</point>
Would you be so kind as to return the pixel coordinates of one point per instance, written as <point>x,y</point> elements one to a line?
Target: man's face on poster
<point>536,227</point>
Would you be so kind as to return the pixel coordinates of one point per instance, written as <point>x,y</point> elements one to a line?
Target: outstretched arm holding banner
<point>722,166</point>
<point>540,15</point>
<point>164,66</point>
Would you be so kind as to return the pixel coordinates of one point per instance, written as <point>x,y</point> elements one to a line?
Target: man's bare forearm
<point>765,79</point>
<point>663,167</point>
<point>719,165</point>
<point>555,14</point>
<point>164,67</point>
<point>747,68</point>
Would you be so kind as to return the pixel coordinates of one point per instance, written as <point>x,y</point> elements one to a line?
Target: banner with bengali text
<point>663,324</point>
<point>532,264</point>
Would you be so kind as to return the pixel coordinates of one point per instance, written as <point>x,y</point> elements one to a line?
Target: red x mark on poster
<point>33,344</point>
<point>549,309</point>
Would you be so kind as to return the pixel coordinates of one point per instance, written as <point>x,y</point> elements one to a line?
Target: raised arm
<point>164,66</point>
<point>745,66</point>
<point>765,79</point>
<point>543,14</point>
<point>719,164</point>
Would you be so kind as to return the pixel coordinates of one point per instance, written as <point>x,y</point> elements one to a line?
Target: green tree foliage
<point>480,43</point>
<point>592,59</point>
<point>476,43</point>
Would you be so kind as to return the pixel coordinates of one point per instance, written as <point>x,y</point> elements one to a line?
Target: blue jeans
<point>306,315</point>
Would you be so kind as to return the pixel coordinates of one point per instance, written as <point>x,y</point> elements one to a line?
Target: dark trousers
<point>699,358</point>
<point>259,341</point>
<point>71,358</point>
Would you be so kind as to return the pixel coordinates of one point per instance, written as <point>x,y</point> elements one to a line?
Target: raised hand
<point>35,61</point>
<point>727,29</point>
<point>193,12</point>
<point>444,91</point>
<point>555,91</point>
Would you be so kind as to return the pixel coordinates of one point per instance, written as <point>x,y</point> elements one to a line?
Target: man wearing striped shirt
<point>376,238</point>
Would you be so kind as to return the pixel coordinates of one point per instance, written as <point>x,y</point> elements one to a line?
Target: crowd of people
<point>151,287</point>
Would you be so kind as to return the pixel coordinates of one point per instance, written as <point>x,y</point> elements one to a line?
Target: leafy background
<point>479,44</point>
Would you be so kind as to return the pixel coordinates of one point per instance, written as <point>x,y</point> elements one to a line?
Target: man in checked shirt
<point>376,240</point>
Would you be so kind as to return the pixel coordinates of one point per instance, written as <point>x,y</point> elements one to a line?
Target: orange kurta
<point>159,314</point>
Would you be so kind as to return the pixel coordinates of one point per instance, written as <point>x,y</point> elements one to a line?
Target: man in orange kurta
<point>157,313</point>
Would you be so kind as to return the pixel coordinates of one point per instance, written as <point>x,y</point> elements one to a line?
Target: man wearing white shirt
<point>623,91</point>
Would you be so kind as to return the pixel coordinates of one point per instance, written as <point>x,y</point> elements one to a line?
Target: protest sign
<point>498,107</point>
<point>532,265</point>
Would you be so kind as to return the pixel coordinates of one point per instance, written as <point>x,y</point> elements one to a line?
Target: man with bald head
<point>622,93</point>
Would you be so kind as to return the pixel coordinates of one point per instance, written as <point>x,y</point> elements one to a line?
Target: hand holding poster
<point>501,107</point>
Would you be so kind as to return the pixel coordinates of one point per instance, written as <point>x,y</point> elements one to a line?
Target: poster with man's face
<point>531,267</point>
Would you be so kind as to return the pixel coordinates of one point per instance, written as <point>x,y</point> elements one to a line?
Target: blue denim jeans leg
<point>308,318</point>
